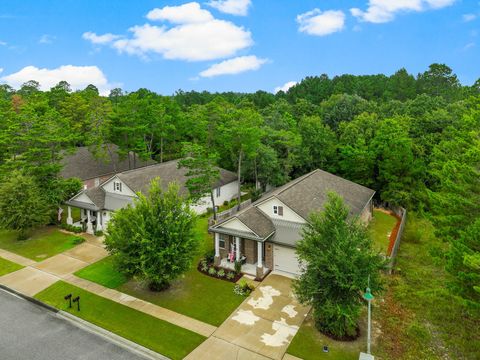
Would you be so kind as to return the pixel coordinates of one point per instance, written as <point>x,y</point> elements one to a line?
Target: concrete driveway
<point>262,327</point>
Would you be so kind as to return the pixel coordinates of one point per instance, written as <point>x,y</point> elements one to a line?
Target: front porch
<point>248,269</point>
<point>90,220</point>
<point>250,253</point>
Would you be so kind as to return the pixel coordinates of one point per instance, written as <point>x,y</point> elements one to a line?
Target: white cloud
<point>3,43</point>
<point>232,7</point>
<point>99,39</point>
<point>77,76</point>
<point>46,39</point>
<point>285,86</point>
<point>234,66</point>
<point>469,46</point>
<point>195,36</point>
<point>1,70</point>
<point>189,13</point>
<point>320,23</point>
<point>469,17</point>
<point>381,11</point>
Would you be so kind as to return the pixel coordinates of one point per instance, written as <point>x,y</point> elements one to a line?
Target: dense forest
<point>413,139</point>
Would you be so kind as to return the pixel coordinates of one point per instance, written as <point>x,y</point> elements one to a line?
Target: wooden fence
<point>392,254</point>
<point>227,213</point>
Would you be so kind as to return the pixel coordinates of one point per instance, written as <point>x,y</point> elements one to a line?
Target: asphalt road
<point>30,332</point>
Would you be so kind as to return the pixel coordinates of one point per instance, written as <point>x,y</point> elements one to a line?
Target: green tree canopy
<point>338,259</point>
<point>154,240</point>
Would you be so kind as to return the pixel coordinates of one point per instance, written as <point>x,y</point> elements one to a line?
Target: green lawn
<point>155,334</point>
<point>380,227</point>
<point>8,266</point>
<point>44,243</point>
<point>422,318</point>
<point>193,294</point>
<point>104,273</point>
<point>308,345</point>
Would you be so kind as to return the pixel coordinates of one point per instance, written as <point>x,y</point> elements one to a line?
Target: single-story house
<point>94,170</point>
<point>97,203</point>
<point>263,236</point>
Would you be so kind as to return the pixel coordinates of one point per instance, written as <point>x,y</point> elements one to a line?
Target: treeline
<point>415,140</point>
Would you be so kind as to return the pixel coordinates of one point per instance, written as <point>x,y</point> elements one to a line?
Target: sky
<point>231,45</point>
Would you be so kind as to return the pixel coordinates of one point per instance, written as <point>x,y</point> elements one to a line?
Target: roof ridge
<point>296,181</point>
<point>147,166</point>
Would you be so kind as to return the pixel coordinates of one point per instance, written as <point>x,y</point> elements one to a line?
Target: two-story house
<point>98,202</point>
<point>263,236</point>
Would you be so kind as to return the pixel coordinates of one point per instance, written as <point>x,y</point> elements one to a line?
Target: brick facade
<point>269,255</point>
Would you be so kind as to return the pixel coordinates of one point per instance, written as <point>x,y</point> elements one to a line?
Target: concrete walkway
<point>261,328</point>
<point>37,276</point>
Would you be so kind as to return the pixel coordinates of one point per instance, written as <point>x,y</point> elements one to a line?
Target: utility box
<point>364,356</point>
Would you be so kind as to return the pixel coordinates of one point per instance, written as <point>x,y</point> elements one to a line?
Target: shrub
<point>238,267</point>
<point>221,273</point>
<point>99,233</point>
<point>212,271</point>
<point>230,275</point>
<point>204,266</point>
<point>225,203</point>
<point>210,256</point>
<point>243,288</point>
<point>78,240</point>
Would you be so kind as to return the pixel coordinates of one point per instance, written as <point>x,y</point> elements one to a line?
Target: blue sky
<point>238,45</point>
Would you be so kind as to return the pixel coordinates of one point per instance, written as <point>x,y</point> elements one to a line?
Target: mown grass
<point>380,228</point>
<point>7,266</point>
<point>103,272</point>
<point>421,317</point>
<point>193,294</point>
<point>308,344</point>
<point>43,243</point>
<point>155,334</point>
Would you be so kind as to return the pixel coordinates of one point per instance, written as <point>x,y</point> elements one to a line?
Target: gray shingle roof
<point>84,165</point>
<point>257,221</point>
<point>139,181</point>
<point>304,195</point>
<point>168,172</point>
<point>310,193</point>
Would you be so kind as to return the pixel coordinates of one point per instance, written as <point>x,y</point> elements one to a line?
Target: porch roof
<point>239,233</point>
<point>82,205</point>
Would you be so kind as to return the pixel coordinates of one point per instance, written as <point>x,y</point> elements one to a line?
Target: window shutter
<point>280,210</point>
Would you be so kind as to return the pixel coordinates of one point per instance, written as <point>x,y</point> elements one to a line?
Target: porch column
<point>237,246</point>
<point>260,255</point>
<point>259,260</point>
<point>217,259</point>
<point>89,223</point>
<point>69,217</point>
<point>99,221</point>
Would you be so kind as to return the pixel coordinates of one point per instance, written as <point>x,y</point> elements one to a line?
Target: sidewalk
<point>37,276</point>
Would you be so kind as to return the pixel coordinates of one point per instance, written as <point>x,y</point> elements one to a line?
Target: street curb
<point>111,337</point>
<point>29,298</point>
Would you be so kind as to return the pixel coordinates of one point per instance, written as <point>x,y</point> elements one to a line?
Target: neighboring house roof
<point>303,195</point>
<point>139,180</point>
<point>83,164</point>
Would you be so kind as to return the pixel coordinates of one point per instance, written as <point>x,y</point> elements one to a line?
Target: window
<point>278,210</point>
<point>218,191</point>
<point>221,244</point>
<point>117,186</point>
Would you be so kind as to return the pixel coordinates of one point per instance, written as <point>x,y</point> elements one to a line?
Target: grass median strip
<point>103,272</point>
<point>7,267</point>
<point>155,334</point>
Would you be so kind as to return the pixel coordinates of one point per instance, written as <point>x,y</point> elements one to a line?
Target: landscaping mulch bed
<point>217,268</point>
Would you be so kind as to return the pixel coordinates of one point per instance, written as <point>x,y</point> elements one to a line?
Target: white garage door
<point>285,261</point>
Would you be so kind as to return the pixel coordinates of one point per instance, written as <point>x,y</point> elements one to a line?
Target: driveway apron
<point>264,324</point>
